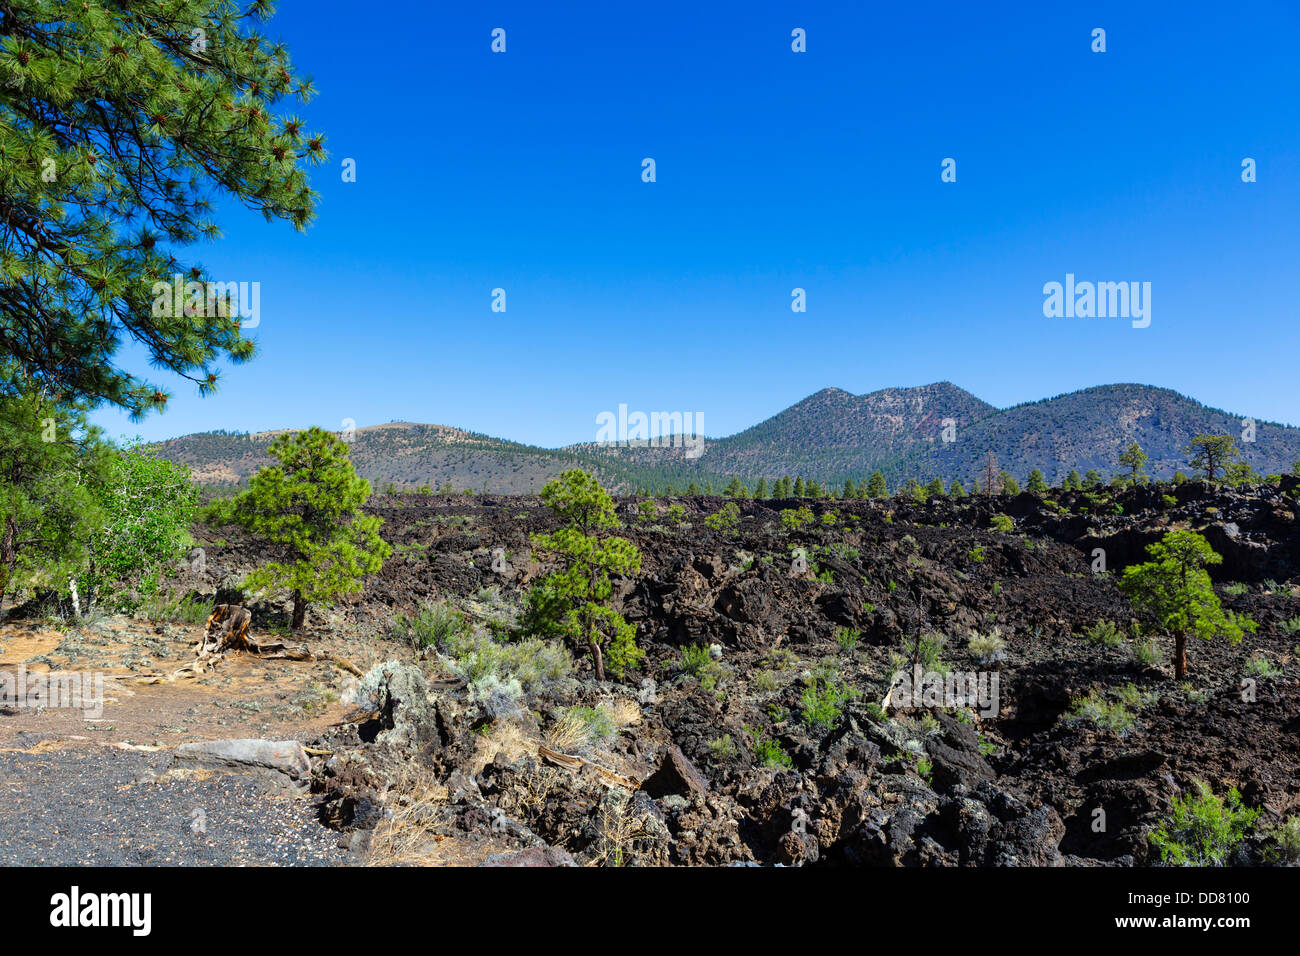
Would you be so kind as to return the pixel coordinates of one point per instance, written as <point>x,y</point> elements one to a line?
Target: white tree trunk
<point>76,601</point>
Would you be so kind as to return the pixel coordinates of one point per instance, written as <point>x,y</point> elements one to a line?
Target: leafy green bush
<point>1002,523</point>
<point>148,506</point>
<point>1203,829</point>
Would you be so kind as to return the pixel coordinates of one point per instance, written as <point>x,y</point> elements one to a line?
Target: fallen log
<point>573,763</point>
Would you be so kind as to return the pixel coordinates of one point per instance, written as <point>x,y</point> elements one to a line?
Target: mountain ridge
<point>926,431</point>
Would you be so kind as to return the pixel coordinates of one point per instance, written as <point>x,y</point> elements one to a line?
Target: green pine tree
<point>1134,459</point>
<point>1211,453</point>
<point>1175,589</point>
<point>799,491</point>
<point>118,122</point>
<point>876,487</point>
<point>310,505</point>
<point>1036,483</point>
<point>575,602</point>
<point>760,490</point>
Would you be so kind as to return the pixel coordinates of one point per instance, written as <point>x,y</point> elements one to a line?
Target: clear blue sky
<point>819,170</point>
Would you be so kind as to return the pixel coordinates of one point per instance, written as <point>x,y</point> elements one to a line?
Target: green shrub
<point>1285,845</point>
<point>699,663</point>
<point>926,650</point>
<point>1002,523</point>
<point>796,519</point>
<point>770,753</point>
<point>987,648</point>
<point>847,638</point>
<point>823,700</point>
<point>1236,588</point>
<point>185,610</point>
<point>1097,710</point>
<point>1261,666</point>
<point>595,725</point>
<point>1203,829</point>
<point>722,748</point>
<point>1104,633</point>
<point>726,520</point>
<point>1146,652</point>
<point>434,624</point>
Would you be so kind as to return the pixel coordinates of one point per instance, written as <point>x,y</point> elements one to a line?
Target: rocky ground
<point>760,728</point>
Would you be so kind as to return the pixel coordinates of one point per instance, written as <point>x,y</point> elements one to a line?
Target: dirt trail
<point>96,785</point>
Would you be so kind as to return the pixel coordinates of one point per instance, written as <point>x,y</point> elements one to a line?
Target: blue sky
<point>775,170</point>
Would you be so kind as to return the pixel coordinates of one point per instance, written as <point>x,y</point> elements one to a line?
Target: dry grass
<point>408,837</point>
<point>508,738</point>
<point>567,733</point>
<point>619,832</point>
<point>623,712</point>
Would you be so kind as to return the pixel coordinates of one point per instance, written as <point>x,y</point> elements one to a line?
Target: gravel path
<point>97,806</point>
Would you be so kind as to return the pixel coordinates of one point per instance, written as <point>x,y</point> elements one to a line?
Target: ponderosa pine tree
<point>1211,453</point>
<point>1036,483</point>
<point>1175,589</point>
<point>876,486</point>
<point>1134,459</point>
<point>575,602</point>
<point>117,123</point>
<point>310,505</point>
